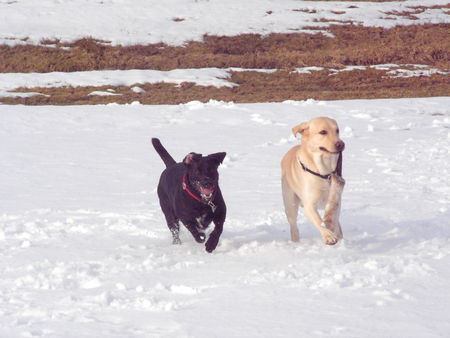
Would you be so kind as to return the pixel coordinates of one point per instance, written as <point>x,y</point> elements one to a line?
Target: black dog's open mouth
<point>327,151</point>
<point>206,193</point>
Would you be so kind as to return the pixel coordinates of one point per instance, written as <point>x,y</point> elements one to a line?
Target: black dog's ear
<point>191,158</point>
<point>217,157</point>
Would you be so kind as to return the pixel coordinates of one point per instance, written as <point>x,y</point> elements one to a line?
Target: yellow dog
<point>311,178</point>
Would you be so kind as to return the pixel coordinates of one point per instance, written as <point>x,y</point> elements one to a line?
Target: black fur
<point>177,205</point>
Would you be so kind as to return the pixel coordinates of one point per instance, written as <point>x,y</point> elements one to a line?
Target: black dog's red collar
<point>190,193</point>
<point>185,188</point>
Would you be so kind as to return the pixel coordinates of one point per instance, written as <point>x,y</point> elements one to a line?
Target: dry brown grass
<point>256,87</point>
<point>352,45</point>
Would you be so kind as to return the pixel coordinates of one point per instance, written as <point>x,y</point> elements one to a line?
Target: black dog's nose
<point>340,145</point>
<point>207,185</point>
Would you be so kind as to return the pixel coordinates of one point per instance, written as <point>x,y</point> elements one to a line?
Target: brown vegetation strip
<point>256,87</point>
<point>352,45</point>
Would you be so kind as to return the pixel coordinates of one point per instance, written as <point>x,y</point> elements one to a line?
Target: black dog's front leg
<point>213,240</point>
<point>192,227</point>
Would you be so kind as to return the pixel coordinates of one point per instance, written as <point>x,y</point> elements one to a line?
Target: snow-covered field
<point>85,251</point>
<point>177,21</point>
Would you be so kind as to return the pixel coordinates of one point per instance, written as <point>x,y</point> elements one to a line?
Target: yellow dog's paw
<point>329,237</point>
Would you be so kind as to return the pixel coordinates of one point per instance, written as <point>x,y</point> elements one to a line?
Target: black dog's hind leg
<point>198,236</point>
<point>175,230</point>
<point>172,223</point>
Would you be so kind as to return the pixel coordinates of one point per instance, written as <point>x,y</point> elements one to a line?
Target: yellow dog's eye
<point>323,132</point>
<point>337,131</point>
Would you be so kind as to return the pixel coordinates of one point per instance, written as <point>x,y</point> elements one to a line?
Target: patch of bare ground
<point>255,87</point>
<point>352,45</point>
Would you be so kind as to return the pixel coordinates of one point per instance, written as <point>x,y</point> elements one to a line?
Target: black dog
<point>189,192</point>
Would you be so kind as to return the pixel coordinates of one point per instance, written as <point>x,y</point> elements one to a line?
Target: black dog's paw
<point>176,241</point>
<point>211,245</point>
<point>200,238</point>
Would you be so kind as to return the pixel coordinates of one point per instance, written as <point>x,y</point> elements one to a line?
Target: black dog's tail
<point>168,160</point>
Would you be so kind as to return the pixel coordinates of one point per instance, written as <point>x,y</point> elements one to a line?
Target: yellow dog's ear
<point>301,128</point>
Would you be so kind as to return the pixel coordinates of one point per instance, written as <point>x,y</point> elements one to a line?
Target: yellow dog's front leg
<point>333,206</point>
<point>327,235</point>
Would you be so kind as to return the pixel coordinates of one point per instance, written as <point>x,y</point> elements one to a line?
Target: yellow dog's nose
<point>340,145</point>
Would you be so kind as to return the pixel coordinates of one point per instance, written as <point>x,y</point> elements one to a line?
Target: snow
<point>85,251</point>
<point>416,72</point>
<point>394,70</point>
<point>308,70</point>
<point>177,21</point>
<point>104,93</point>
<point>202,76</point>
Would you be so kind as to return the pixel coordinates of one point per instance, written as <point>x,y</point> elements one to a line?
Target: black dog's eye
<point>323,132</point>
